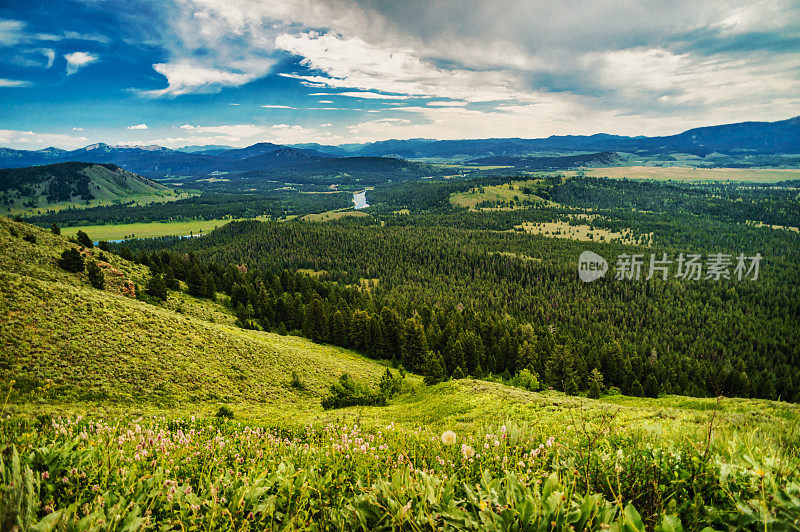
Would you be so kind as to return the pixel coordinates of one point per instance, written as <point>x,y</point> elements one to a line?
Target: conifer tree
<point>415,345</point>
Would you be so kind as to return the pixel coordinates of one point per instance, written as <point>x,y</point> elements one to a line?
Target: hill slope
<point>62,340</point>
<point>74,182</point>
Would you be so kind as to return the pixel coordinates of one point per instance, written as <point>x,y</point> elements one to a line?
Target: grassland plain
<point>108,423</point>
<point>691,173</point>
<point>148,229</point>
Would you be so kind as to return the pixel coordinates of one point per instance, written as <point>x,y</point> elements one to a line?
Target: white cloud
<point>78,60</point>
<point>14,83</point>
<point>185,77</point>
<point>137,126</point>
<point>324,101</point>
<point>77,129</point>
<point>11,32</point>
<point>446,104</point>
<point>278,107</point>
<point>32,140</point>
<point>188,126</point>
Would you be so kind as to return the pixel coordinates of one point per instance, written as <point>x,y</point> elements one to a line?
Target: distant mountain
<point>73,182</point>
<point>782,137</point>
<point>264,159</point>
<point>594,160</point>
<point>753,138</point>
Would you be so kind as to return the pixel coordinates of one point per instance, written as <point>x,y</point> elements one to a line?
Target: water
<point>360,200</point>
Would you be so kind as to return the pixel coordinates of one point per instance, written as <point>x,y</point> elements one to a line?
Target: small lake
<point>360,199</point>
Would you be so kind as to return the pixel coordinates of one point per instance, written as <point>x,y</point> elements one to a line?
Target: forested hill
<point>481,302</point>
<point>73,182</point>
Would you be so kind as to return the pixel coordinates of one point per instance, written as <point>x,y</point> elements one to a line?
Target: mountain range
<point>365,160</point>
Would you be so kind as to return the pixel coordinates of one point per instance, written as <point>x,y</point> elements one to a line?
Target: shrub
<point>96,277</point>
<point>225,412</point>
<point>296,383</point>
<point>71,260</point>
<point>104,245</point>
<point>527,380</point>
<point>347,392</point>
<point>55,229</point>
<point>389,384</point>
<point>30,238</point>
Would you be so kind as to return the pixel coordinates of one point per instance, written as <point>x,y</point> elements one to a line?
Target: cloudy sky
<point>236,72</point>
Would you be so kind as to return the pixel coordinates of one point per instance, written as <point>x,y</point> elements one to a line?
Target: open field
<point>505,193</point>
<point>147,229</point>
<point>681,173</point>
<point>582,232</point>
<point>60,206</point>
<point>332,215</point>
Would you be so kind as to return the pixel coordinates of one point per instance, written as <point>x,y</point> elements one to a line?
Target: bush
<point>55,229</point>
<point>225,412</point>
<point>296,383</point>
<point>96,277</point>
<point>527,380</point>
<point>30,238</point>
<point>348,392</point>
<point>104,246</point>
<point>71,260</point>
<point>389,384</point>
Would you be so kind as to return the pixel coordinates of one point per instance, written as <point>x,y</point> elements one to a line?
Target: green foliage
<point>95,274</point>
<point>433,369</point>
<point>71,260</point>
<point>526,379</point>
<point>296,383</point>
<point>225,412</point>
<point>55,229</point>
<point>348,392</point>
<point>156,287</point>
<point>595,384</point>
<point>84,240</point>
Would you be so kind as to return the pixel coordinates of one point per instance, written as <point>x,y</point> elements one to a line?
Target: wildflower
<point>448,437</point>
<point>467,451</point>
<point>45,475</point>
<point>550,441</point>
<point>95,488</point>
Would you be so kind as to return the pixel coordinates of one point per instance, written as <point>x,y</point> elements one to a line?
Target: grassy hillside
<point>109,423</point>
<point>62,340</point>
<point>61,185</point>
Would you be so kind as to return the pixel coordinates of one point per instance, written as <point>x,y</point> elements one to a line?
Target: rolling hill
<point>74,182</point>
<point>62,340</point>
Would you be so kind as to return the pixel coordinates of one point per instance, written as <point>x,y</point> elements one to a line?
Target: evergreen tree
<point>338,332</point>
<point>595,384</point>
<point>56,230</point>
<point>636,389</point>
<point>84,240</point>
<point>316,322</point>
<point>196,282</point>
<point>169,278</point>
<point>651,388</point>
<point>71,260</point>
<point>433,368</point>
<point>156,287</point>
<point>415,345</point>
<point>458,373</point>
<point>560,369</point>
<point>95,274</point>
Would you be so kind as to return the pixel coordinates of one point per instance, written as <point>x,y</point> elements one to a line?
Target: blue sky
<point>236,72</point>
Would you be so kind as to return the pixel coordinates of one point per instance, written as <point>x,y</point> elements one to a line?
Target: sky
<point>236,72</point>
